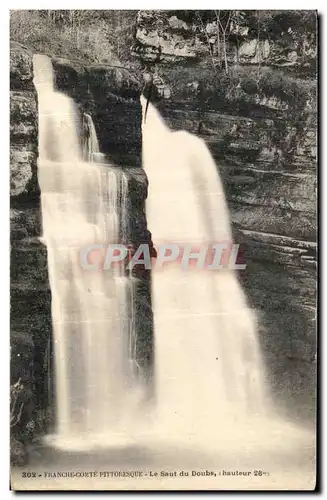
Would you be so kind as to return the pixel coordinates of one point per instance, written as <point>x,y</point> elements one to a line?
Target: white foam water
<point>211,387</point>
<point>90,310</point>
<point>209,375</point>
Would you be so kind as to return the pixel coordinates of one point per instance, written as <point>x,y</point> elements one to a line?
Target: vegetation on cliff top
<point>93,36</point>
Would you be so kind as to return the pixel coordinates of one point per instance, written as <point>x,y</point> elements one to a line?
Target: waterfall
<point>210,378</point>
<point>126,237</point>
<point>91,148</point>
<point>90,310</point>
<point>202,324</point>
<point>210,382</point>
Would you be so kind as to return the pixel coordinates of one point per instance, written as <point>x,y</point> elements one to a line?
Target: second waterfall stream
<point>211,388</point>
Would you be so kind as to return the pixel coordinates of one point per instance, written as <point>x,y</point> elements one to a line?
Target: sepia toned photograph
<point>163,238</point>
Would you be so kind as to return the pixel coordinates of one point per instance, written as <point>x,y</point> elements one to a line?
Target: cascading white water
<point>209,377</point>
<point>91,148</point>
<point>207,354</point>
<point>89,308</point>
<point>126,239</point>
<point>210,381</point>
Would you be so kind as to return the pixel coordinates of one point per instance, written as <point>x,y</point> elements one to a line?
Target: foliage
<point>293,30</point>
<point>240,89</point>
<point>294,92</point>
<point>93,36</point>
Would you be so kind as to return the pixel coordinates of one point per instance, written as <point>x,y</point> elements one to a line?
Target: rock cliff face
<point>111,97</point>
<point>30,299</point>
<point>274,38</point>
<point>247,85</point>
